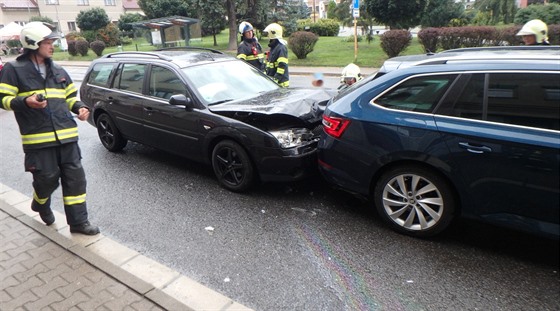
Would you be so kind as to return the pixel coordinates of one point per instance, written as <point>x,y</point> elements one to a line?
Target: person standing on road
<point>250,49</point>
<point>277,58</point>
<point>42,96</point>
<point>534,32</point>
<point>350,75</point>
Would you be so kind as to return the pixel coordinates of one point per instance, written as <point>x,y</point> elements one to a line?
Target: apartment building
<point>62,12</point>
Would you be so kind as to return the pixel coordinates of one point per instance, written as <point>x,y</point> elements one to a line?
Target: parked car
<point>411,60</point>
<point>209,107</point>
<point>467,137</point>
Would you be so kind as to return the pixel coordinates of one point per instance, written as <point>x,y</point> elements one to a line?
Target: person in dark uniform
<point>43,97</point>
<point>250,49</point>
<point>277,58</point>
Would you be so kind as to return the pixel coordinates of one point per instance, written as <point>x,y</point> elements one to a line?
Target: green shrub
<point>109,34</point>
<point>351,39</point>
<point>429,38</point>
<point>323,27</point>
<point>393,42</point>
<point>302,43</point>
<point>97,47</point>
<point>72,47</point>
<point>82,46</point>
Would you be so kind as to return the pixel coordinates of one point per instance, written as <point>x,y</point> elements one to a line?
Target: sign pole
<point>356,14</point>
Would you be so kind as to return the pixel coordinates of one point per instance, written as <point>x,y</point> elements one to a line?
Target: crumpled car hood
<point>301,103</point>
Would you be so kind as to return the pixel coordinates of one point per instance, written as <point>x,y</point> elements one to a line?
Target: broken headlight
<point>293,137</point>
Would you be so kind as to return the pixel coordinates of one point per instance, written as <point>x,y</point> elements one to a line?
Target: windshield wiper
<point>220,102</point>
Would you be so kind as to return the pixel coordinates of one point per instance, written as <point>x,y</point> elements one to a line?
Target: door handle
<point>475,149</point>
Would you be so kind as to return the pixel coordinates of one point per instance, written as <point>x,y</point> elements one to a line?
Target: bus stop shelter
<point>163,23</point>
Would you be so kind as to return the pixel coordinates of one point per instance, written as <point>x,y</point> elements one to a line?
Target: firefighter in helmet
<point>350,75</point>
<point>534,32</point>
<point>43,97</point>
<point>277,58</point>
<point>250,49</point>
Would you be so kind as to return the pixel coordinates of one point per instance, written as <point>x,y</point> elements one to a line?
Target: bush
<point>82,46</point>
<point>72,47</point>
<point>429,38</point>
<point>554,34</point>
<point>97,47</point>
<point>302,43</point>
<point>393,42</point>
<point>323,27</point>
<point>448,38</point>
<point>109,34</point>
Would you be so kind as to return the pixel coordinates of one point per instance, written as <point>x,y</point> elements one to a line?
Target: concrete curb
<point>158,283</point>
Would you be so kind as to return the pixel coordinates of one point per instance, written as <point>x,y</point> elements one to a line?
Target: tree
<point>497,11</point>
<point>212,14</point>
<point>163,8</point>
<point>232,24</point>
<point>438,13</point>
<point>126,19</point>
<point>92,19</point>
<point>550,14</point>
<point>396,14</point>
<point>44,19</point>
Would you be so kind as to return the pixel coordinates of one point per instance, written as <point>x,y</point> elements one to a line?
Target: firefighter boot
<point>85,228</point>
<point>44,211</point>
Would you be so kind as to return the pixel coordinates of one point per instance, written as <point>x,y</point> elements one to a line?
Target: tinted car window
<point>130,77</point>
<point>164,83</point>
<point>417,94</point>
<point>100,74</point>
<point>529,99</point>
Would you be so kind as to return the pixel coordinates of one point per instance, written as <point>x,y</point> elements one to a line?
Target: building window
<point>110,2</point>
<point>51,2</point>
<point>72,26</point>
<point>82,2</point>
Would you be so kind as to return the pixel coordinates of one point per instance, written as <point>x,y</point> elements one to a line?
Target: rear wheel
<point>415,201</point>
<point>108,133</point>
<point>232,166</point>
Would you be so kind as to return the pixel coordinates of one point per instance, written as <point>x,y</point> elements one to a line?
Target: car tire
<point>232,166</point>
<point>108,133</point>
<point>415,201</point>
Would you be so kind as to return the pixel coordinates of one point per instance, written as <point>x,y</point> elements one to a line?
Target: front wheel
<point>108,133</point>
<point>232,166</point>
<point>415,201</point>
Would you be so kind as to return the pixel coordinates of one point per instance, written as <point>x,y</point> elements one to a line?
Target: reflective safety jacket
<point>251,51</point>
<point>277,62</point>
<point>40,128</point>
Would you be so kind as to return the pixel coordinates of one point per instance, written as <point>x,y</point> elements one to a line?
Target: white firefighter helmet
<point>273,31</point>
<point>535,27</point>
<point>35,32</point>
<point>351,71</point>
<point>244,27</point>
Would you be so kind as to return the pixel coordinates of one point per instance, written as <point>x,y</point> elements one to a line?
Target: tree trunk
<point>230,8</point>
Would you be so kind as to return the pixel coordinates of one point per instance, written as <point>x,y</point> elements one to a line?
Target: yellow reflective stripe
<point>7,102</point>
<point>252,57</point>
<point>284,84</point>
<point>280,71</point>
<point>270,65</point>
<point>55,93</point>
<point>242,56</point>
<point>282,60</point>
<point>8,89</point>
<point>71,88</point>
<point>71,102</point>
<point>39,200</point>
<point>71,200</point>
<point>49,136</point>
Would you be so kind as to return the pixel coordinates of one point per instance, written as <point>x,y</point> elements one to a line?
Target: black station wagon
<point>208,107</point>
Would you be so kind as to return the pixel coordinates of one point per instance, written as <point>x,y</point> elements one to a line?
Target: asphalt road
<point>295,246</point>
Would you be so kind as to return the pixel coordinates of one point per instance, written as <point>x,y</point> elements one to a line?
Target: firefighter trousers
<point>48,166</point>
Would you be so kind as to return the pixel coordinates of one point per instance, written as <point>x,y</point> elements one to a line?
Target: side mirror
<point>181,100</point>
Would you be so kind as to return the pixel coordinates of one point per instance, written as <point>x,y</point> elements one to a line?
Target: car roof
<point>473,53</point>
<point>182,57</point>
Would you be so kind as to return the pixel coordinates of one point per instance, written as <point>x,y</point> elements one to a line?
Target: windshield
<point>228,81</point>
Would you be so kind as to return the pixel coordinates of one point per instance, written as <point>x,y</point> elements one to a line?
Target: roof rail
<point>138,54</point>
<point>190,48</point>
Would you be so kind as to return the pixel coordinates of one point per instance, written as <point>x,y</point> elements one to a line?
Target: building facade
<point>62,12</point>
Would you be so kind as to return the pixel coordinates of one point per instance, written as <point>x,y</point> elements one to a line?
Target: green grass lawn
<point>329,51</point>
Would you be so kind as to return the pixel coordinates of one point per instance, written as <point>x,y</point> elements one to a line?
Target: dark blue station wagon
<point>476,138</point>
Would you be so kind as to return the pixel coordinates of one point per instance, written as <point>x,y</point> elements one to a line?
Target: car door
<point>503,132</point>
<point>125,100</point>
<point>170,127</point>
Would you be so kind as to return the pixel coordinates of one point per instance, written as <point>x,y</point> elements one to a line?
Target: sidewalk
<point>49,268</point>
<point>294,70</point>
